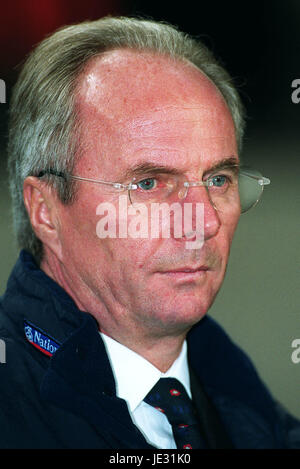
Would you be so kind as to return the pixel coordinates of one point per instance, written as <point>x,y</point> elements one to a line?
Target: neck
<point>160,352</point>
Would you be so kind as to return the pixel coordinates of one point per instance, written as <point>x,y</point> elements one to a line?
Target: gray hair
<point>43,124</point>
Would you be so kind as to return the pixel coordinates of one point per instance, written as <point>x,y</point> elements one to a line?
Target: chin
<point>176,319</point>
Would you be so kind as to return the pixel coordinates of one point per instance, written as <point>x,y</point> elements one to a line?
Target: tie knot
<point>170,397</point>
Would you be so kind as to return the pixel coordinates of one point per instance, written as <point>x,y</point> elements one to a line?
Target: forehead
<point>139,105</point>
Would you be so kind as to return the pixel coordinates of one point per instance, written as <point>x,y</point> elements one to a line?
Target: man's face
<point>144,109</point>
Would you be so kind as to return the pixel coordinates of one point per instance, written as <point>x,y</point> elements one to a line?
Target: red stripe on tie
<point>160,409</point>
<point>175,392</point>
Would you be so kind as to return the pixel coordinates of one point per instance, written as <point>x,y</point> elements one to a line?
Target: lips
<point>187,270</point>
<point>192,275</point>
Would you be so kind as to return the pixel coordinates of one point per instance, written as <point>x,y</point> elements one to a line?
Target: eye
<point>219,180</point>
<point>147,184</point>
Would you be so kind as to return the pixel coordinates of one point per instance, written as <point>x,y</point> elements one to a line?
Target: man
<point>104,326</point>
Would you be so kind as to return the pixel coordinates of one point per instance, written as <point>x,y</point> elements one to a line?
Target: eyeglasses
<point>226,188</point>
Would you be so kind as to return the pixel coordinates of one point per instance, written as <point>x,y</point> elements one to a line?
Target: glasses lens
<point>222,191</point>
<point>250,189</point>
<point>157,188</point>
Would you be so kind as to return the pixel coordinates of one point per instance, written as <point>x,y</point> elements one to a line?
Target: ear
<point>41,203</point>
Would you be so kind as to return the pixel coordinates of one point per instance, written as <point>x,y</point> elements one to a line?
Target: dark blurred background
<point>259,44</point>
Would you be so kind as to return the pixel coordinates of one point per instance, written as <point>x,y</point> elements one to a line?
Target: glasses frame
<point>261,180</point>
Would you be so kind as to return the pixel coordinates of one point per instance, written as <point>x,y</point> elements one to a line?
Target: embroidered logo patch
<point>40,340</point>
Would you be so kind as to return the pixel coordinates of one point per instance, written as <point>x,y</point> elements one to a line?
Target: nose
<point>211,220</point>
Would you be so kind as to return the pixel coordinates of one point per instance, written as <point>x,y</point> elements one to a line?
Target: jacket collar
<point>32,295</point>
<point>226,371</point>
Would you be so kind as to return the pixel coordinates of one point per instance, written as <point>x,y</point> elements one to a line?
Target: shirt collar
<point>135,376</point>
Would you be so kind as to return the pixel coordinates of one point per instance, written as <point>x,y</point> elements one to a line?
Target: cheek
<point>78,232</point>
<point>226,235</point>
<point>232,225</point>
<point>132,257</point>
<point>126,234</point>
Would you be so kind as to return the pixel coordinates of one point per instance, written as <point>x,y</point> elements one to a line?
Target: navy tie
<point>169,397</point>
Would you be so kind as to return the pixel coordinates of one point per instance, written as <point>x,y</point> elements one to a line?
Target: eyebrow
<point>226,163</point>
<point>148,167</point>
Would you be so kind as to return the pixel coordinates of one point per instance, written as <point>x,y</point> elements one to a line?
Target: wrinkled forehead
<point>130,103</point>
<point>124,83</point>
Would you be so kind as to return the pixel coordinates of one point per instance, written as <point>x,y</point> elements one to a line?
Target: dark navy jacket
<point>68,400</point>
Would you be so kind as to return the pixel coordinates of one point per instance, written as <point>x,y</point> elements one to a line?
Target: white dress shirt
<point>135,377</point>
